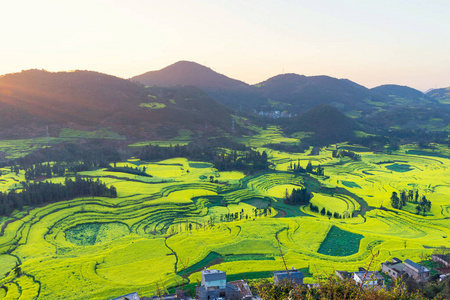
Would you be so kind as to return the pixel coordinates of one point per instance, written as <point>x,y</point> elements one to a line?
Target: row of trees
<point>33,194</point>
<point>297,168</point>
<point>424,205</point>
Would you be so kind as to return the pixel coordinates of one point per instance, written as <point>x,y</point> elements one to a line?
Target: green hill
<point>328,124</point>
<point>231,92</point>
<point>441,95</point>
<point>85,100</point>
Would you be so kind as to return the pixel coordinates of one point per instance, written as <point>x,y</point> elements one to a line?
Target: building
<point>394,269</point>
<point>416,271</point>
<point>214,286</point>
<point>344,275</point>
<point>397,268</point>
<point>243,288</point>
<point>132,296</point>
<point>443,259</point>
<point>369,279</point>
<point>294,275</point>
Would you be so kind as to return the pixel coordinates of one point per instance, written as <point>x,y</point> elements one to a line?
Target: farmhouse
<point>416,271</point>
<point>397,268</point>
<point>295,276</point>
<point>443,259</point>
<point>394,269</point>
<point>369,279</point>
<point>214,286</point>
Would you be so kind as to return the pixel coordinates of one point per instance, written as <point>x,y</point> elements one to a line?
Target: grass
<point>153,105</point>
<point>340,243</point>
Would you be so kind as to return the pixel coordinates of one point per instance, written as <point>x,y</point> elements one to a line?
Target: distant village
<point>214,285</point>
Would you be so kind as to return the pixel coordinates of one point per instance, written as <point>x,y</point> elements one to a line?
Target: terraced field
<point>161,230</point>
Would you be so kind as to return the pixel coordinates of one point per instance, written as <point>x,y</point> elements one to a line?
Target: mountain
<point>188,73</point>
<point>398,91</point>
<point>441,95</point>
<point>403,95</point>
<point>86,100</point>
<point>303,92</point>
<point>231,92</point>
<point>327,122</point>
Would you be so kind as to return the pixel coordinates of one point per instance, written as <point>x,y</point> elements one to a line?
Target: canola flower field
<point>162,230</point>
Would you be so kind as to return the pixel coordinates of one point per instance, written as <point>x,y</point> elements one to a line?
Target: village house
<point>393,269</point>
<point>214,286</point>
<point>416,271</point>
<point>368,279</point>
<point>294,275</point>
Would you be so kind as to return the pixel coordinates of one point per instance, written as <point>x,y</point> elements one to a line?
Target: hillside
<point>404,95</point>
<point>303,92</point>
<point>188,73</point>
<point>328,124</point>
<point>441,95</point>
<point>86,100</point>
<point>231,92</point>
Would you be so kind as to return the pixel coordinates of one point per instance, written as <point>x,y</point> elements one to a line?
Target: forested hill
<point>441,95</point>
<point>188,73</point>
<point>303,92</point>
<point>231,92</point>
<point>86,100</point>
<point>329,125</point>
<point>399,92</point>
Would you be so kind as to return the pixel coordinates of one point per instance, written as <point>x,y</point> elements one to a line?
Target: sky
<point>371,42</point>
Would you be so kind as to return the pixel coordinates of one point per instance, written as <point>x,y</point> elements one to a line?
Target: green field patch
<point>350,184</point>
<point>153,105</point>
<point>339,242</point>
<point>244,257</point>
<point>200,165</point>
<point>102,133</point>
<point>210,259</point>
<point>89,234</point>
<point>401,168</point>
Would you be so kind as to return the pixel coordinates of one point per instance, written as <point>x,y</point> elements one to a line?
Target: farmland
<point>162,229</point>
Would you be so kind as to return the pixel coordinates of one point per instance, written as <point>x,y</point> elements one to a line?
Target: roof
<point>243,288</point>
<point>418,267</point>
<point>131,296</point>
<point>213,275</point>
<point>369,276</point>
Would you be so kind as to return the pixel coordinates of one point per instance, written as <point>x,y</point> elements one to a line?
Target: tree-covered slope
<point>86,100</point>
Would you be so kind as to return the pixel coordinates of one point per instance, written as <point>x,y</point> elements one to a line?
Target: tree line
<point>297,168</point>
<point>346,153</point>
<point>34,194</point>
<point>424,205</point>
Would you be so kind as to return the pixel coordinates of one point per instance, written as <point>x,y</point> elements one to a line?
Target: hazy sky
<point>371,42</point>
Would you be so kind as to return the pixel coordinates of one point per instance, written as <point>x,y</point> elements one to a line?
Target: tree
<point>211,178</point>
<point>403,198</point>
<point>416,196</point>
<point>309,167</point>
<point>395,201</point>
<point>418,209</point>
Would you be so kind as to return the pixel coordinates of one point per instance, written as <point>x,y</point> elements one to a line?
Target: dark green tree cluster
<point>46,192</point>
<point>130,170</point>
<point>299,196</point>
<point>424,205</point>
<point>249,161</point>
<point>346,153</point>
